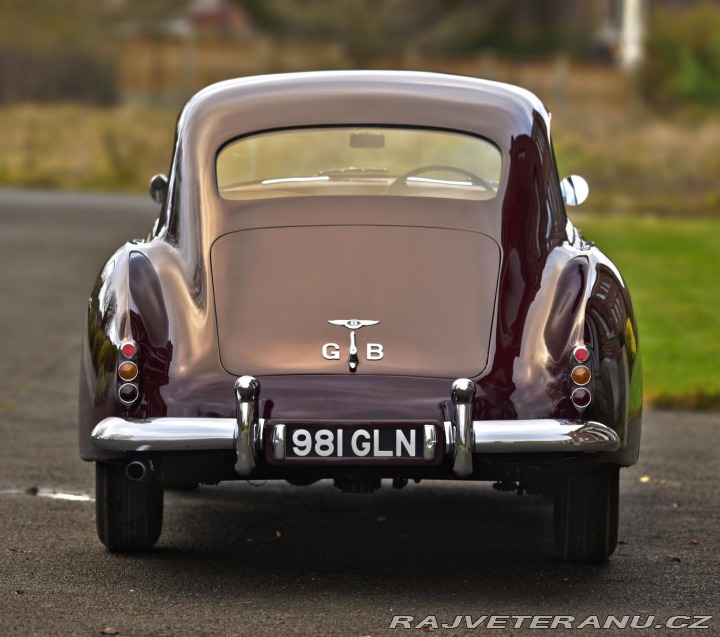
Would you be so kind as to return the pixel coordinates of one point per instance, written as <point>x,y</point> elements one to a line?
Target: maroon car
<point>357,276</point>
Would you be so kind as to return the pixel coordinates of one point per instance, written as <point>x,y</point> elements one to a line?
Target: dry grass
<point>82,148</point>
<point>641,165</point>
<point>634,162</point>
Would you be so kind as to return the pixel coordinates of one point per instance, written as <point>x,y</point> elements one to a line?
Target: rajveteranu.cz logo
<point>481,622</point>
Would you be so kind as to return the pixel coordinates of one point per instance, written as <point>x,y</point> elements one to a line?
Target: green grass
<point>672,267</point>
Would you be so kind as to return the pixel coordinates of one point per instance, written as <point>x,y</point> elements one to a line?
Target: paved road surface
<point>252,560</point>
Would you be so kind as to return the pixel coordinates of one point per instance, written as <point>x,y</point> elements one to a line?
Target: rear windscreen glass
<point>359,161</point>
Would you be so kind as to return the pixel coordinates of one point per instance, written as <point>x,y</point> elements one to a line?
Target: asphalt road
<point>239,559</point>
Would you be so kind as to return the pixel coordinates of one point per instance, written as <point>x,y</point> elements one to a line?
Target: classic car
<point>361,276</point>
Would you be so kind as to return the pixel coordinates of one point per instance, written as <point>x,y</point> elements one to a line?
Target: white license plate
<point>372,443</point>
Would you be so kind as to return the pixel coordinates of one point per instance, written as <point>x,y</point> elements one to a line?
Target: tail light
<point>580,376</point>
<point>128,370</point>
<point>581,398</point>
<point>128,349</point>
<point>128,392</point>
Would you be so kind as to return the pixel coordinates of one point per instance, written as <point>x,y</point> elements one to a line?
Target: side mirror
<point>574,190</point>
<point>159,188</point>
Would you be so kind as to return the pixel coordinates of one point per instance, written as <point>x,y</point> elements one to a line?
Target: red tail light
<point>128,349</point>
<point>581,354</point>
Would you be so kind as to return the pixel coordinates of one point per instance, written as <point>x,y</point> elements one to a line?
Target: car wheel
<point>129,513</point>
<point>586,515</point>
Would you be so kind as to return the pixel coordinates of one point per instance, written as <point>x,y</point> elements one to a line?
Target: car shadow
<point>278,538</point>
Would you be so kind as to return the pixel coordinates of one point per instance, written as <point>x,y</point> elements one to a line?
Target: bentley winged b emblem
<point>353,324</point>
<point>331,351</point>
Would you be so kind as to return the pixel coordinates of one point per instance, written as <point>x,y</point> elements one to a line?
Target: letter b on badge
<point>374,351</point>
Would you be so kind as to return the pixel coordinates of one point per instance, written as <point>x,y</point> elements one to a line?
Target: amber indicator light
<point>127,370</point>
<point>128,349</point>
<point>581,375</point>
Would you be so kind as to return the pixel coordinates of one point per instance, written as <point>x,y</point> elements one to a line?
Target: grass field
<point>672,267</point>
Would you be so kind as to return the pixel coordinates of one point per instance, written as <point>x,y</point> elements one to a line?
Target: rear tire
<point>129,513</point>
<point>586,515</point>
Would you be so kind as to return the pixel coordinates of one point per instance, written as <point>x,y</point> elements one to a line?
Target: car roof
<point>233,108</point>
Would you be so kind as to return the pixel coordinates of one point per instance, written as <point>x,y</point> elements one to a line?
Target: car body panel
<point>512,265</point>
<point>354,271</point>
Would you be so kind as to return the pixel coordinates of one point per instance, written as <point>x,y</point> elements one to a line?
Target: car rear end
<point>365,302</point>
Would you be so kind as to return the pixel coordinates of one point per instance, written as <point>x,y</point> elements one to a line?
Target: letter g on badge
<point>331,351</point>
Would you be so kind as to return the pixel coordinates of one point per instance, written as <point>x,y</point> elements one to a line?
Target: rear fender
<point>611,333</point>
<point>127,304</point>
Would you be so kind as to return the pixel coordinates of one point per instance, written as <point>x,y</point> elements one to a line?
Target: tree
<point>55,50</point>
<point>367,29</point>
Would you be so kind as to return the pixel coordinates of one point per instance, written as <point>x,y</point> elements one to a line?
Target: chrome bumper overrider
<point>244,434</point>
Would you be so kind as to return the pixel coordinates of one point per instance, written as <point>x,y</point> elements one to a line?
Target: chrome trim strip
<point>278,442</point>
<point>247,391</point>
<point>463,394</point>
<point>520,436</point>
<point>429,442</point>
<point>449,437</point>
<point>164,434</point>
<point>261,433</point>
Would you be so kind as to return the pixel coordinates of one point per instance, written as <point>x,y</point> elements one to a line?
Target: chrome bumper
<point>165,434</point>
<point>245,433</point>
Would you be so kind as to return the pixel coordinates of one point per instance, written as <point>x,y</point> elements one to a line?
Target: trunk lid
<point>432,292</point>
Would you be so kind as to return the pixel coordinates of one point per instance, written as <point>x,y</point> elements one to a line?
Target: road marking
<point>52,494</point>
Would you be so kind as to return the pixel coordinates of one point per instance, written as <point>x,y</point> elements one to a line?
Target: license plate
<point>357,444</point>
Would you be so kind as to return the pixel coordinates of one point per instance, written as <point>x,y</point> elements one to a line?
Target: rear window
<point>359,161</point>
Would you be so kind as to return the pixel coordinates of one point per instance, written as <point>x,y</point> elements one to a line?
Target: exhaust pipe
<point>139,470</point>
